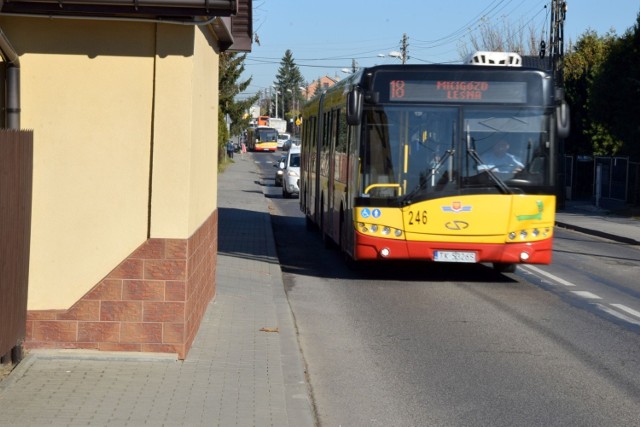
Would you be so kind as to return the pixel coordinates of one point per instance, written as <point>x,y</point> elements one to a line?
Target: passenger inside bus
<point>429,133</point>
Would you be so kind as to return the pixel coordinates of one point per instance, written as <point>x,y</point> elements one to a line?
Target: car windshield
<point>295,160</point>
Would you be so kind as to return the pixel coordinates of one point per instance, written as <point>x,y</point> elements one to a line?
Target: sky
<point>327,36</point>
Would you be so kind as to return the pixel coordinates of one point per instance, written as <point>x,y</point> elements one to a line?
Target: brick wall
<point>153,301</point>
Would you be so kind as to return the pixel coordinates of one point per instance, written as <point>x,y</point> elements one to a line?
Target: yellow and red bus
<point>262,138</point>
<point>395,164</point>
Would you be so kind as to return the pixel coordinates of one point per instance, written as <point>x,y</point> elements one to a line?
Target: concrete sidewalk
<point>586,218</point>
<point>245,367</point>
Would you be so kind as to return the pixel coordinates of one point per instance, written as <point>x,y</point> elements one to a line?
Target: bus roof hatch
<point>505,59</point>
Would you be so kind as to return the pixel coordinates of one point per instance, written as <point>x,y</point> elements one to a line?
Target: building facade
<point>124,209</point>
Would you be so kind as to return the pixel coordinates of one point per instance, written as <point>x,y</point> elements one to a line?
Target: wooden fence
<point>16,165</point>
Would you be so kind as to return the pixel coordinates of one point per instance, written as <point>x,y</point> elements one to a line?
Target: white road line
<point>627,309</point>
<point>585,294</point>
<point>550,276</point>
<point>617,314</point>
<point>592,296</point>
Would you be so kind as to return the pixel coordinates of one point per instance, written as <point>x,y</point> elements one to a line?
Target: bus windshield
<point>431,151</point>
<point>266,134</point>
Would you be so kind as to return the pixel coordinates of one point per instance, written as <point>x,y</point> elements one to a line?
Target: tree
<point>288,82</point>
<point>231,68</point>
<point>582,66</point>
<point>615,97</point>
<point>501,38</point>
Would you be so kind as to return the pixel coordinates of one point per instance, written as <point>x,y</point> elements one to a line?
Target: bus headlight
<point>374,228</point>
<point>386,231</point>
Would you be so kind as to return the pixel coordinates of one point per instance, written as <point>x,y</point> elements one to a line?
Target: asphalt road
<point>419,345</point>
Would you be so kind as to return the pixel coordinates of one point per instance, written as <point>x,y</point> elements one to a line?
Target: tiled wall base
<point>153,301</point>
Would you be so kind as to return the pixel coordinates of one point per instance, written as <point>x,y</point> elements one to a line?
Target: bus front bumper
<point>371,248</point>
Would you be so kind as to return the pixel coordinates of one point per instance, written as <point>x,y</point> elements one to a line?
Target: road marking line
<point>627,309</point>
<point>550,276</point>
<point>616,314</point>
<point>586,294</point>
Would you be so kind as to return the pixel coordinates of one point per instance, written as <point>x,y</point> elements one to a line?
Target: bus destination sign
<point>458,91</point>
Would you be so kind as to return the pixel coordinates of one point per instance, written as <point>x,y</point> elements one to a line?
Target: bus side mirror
<point>562,119</point>
<point>354,106</point>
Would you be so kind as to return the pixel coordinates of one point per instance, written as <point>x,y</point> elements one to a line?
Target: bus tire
<point>310,226</point>
<point>351,263</point>
<point>504,267</point>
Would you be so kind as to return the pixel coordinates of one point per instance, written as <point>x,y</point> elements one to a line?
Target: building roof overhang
<point>230,20</point>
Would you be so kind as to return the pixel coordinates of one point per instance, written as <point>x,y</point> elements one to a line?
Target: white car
<point>291,175</point>
<point>282,138</point>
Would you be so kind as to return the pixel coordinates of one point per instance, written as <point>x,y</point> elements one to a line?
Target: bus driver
<point>500,160</point>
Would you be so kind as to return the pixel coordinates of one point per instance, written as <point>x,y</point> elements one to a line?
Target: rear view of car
<point>291,175</point>
<point>282,139</point>
<point>280,172</point>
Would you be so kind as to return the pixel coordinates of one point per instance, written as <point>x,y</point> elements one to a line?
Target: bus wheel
<point>351,263</point>
<point>309,224</point>
<point>327,241</point>
<point>504,267</point>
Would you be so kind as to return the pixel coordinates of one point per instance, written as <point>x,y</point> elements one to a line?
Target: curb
<point>598,233</point>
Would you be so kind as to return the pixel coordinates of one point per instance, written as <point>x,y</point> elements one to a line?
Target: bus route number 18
<point>397,89</point>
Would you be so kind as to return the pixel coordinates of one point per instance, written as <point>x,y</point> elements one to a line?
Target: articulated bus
<point>398,164</point>
<point>262,138</point>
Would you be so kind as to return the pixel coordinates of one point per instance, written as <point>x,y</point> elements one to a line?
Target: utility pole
<point>403,48</point>
<point>556,41</point>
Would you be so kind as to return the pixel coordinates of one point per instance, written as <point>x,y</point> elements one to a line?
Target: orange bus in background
<point>263,121</point>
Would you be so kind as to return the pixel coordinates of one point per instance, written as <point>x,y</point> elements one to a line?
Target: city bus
<point>262,138</point>
<point>395,164</point>
<point>262,121</point>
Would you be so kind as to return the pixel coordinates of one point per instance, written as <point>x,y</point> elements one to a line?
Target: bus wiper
<point>500,183</point>
<point>406,200</point>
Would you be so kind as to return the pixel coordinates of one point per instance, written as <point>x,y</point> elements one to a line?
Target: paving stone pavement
<point>245,367</point>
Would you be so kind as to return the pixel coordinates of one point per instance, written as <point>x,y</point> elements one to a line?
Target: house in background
<point>122,100</point>
<point>318,85</point>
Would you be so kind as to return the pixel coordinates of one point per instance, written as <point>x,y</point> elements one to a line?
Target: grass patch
<point>225,163</point>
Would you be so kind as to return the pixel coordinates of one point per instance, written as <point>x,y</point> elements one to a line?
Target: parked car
<point>280,172</point>
<point>291,176</point>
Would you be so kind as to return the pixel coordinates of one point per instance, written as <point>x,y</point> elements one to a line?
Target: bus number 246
<point>417,217</point>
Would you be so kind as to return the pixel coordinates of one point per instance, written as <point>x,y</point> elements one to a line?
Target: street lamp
<point>293,99</point>
<point>398,55</point>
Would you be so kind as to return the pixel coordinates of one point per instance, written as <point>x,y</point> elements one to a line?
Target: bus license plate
<point>454,256</point>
